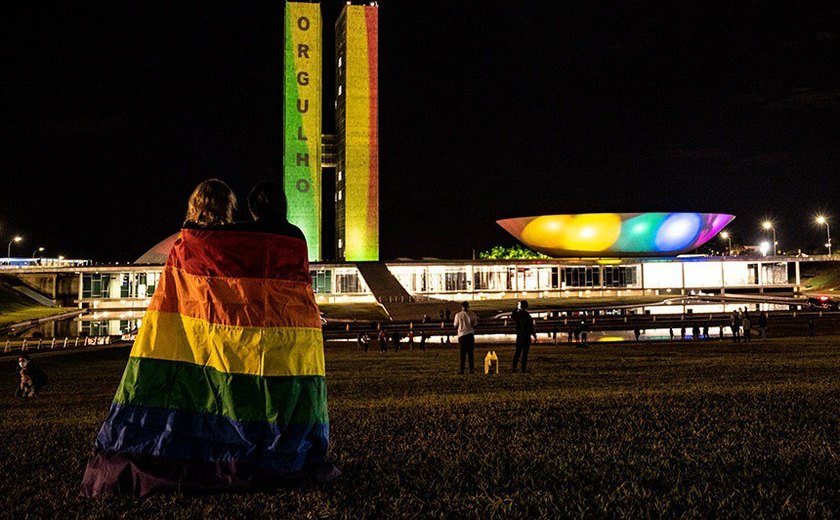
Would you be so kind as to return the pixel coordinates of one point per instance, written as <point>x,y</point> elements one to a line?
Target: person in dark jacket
<point>524,333</point>
<point>584,332</point>
<point>32,378</point>
<point>762,324</point>
<point>268,207</point>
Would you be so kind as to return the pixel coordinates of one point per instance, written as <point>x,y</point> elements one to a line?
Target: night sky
<point>112,112</point>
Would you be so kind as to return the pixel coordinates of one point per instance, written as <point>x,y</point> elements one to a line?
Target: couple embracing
<point>224,387</point>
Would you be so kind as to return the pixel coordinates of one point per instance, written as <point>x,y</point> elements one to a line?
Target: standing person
<point>383,341</point>
<point>554,333</point>
<point>746,323</point>
<point>465,324</point>
<point>735,325</point>
<point>762,324</point>
<point>448,315</point>
<point>205,397</point>
<point>423,338</point>
<point>524,332</point>
<point>584,332</point>
<point>671,333</point>
<point>637,333</point>
<point>410,339</point>
<point>396,337</point>
<point>695,332</point>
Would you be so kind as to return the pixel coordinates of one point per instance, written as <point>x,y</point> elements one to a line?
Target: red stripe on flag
<point>240,254</point>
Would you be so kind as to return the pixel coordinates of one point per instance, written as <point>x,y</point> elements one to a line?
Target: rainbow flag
<point>224,387</point>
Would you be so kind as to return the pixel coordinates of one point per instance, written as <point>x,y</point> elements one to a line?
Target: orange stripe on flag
<point>240,302</point>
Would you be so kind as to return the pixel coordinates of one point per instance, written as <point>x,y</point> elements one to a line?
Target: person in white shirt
<point>465,323</point>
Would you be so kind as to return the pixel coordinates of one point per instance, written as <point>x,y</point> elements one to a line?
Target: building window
<point>340,61</point>
<point>96,285</point>
<point>340,194</point>
<point>321,281</point>
<point>455,281</point>
<point>340,243</point>
<point>339,90</point>
<point>339,175</point>
<point>347,283</point>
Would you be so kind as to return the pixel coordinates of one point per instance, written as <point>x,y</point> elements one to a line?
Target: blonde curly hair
<point>211,204</point>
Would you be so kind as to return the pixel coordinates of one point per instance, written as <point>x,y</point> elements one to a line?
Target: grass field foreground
<point>631,430</point>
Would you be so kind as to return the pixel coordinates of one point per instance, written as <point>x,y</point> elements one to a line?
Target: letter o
<point>303,23</point>
<point>302,185</point>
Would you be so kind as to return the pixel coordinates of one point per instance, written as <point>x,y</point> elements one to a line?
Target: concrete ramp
<point>34,295</point>
<point>384,285</point>
<point>389,292</point>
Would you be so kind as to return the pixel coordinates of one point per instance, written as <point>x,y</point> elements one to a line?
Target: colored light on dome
<point>678,231</point>
<point>614,234</point>
<point>592,232</point>
<point>639,233</point>
<point>714,222</point>
<point>545,230</point>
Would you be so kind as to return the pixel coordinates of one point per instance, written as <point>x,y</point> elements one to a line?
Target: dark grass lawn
<point>613,430</point>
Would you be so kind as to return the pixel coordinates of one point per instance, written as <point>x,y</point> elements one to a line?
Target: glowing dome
<point>616,234</point>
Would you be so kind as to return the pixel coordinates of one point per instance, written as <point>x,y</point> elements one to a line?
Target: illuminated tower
<point>357,133</point>
<point>302,120</point>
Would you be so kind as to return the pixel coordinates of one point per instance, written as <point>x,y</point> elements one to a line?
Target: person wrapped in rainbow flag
<point>224,387</point>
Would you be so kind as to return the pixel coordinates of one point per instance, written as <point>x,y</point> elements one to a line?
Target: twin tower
<point>354,150</point>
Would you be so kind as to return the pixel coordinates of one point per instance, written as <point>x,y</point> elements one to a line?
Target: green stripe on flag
<point>276,399</point>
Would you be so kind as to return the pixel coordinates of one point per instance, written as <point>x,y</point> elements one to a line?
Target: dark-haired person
<point>268,207</point>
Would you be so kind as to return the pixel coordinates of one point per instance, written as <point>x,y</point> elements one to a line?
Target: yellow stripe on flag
<point>260,351</point>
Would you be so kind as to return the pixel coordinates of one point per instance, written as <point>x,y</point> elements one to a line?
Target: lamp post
<point>12,241</point>
<point>725,235</point>
<point>822,220</point>
<point>768,226</point>
<point>39,250</point>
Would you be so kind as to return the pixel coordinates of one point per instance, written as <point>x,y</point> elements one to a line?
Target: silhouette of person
<point>524,332</point>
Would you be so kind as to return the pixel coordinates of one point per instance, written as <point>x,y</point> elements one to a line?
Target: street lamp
<point>764,247</point>
<point>822,220</point>
<point>768,226</point>
<point>12,241</point>
<point>39,250</point>
<point>725,235</point>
